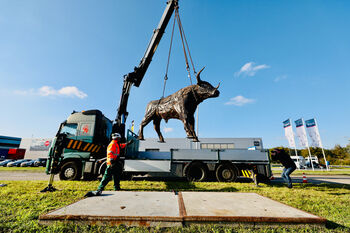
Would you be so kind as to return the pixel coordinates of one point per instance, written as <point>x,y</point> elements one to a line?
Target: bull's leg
<point>144,122</point>
<point>190,121</point>
<point>156,123</point>
<point>187,128</point>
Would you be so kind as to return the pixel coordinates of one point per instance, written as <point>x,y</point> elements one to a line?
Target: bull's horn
<point>198,75</point>
<point>217,87</point>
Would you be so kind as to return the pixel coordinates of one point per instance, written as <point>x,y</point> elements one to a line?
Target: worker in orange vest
<point>114,165</point>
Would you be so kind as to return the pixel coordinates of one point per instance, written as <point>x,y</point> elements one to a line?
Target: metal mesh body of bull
<point>180,105</point>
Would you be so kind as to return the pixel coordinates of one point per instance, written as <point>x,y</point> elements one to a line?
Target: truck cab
<point>88,126</point>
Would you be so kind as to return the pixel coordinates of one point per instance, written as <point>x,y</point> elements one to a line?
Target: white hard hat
<point>116,135</point>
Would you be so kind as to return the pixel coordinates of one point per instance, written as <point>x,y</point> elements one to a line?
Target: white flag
<point>301,133</point>
<point>312,129</point>
<point>288,132</point>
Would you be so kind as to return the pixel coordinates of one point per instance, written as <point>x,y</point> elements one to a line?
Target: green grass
<point>21,204</point>
<point>22,169</point>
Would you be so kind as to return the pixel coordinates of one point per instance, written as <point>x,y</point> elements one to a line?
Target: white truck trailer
<point>200,164</point>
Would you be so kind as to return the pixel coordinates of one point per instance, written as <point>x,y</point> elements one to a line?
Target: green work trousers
<point>112,171</point>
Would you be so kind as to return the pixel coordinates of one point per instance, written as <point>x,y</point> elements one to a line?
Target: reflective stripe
<point>86,146</point>
<point>79,144</point>
<point>75,143</point>
<point>70,143</point>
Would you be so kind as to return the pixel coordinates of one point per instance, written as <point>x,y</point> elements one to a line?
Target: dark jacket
<point>284,158</point>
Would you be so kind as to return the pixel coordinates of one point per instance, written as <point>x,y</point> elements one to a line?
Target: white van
<point>299,161</point>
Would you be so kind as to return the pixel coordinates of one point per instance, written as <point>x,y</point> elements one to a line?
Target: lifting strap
<point>186,51</point>
<point>167,65</point>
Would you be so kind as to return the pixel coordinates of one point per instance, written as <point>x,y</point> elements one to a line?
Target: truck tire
<point>226,172</point>
<point>70,171</point>
<point>196,171</point>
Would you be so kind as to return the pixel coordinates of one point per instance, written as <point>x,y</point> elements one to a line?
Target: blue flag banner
<point>310,123</point>
<point>288,131</point>
<point>286,123</point>
<point>313,132</point>
<point>301,133</point>
<point>299,122</point>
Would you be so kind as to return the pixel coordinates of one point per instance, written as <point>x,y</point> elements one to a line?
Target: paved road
<point>318,179</point>
<point>24,176</point>
<point>314,179</point>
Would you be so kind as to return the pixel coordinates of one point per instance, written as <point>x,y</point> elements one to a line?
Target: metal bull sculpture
<point>180,105</point>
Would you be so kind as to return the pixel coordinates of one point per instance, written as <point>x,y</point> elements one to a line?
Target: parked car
<point>29,163</point>
<point>40,162</point>
<point>299,161</point>
<point>17,163</point>
<point>5,162</point>
<point>316,165</point>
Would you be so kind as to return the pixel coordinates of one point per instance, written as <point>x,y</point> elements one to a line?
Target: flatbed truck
<point>79,148</point>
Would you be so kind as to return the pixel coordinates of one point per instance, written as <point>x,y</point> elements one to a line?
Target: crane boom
<point>135,77</point>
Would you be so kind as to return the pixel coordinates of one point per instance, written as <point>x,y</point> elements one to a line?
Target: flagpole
<point>295,146</point>
<point>312,165</point>
<point>324,155</point>
<point>307,145</point>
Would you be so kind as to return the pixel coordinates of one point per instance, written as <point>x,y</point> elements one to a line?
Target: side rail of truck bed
<point>152,161</point>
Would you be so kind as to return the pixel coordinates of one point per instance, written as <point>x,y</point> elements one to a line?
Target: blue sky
<point>274,59</point>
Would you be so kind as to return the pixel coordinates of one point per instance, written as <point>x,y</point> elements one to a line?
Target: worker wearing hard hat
<point>114,166</point>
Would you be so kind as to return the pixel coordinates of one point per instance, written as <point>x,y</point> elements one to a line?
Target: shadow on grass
<point>180,186</point>
<point>321,186</point>
<point>332,225</point>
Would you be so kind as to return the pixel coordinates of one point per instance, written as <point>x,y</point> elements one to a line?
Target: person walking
<point>114,165</point>
<point>289,165</point>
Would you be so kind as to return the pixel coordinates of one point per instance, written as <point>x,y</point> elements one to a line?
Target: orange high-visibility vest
<point>113,150</point>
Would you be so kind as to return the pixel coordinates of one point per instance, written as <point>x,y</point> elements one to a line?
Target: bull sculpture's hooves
<point>161,141</point>
<point>141,138</point>
<point>195,140</point>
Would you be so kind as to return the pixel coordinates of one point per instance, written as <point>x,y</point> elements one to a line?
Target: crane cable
<point>186,50</point>
<point>167,65</point>
<point>184,42</point>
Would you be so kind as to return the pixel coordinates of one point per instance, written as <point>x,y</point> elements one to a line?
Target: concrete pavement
<point>178,209</point>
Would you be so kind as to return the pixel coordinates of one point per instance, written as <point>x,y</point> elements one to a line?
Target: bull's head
<point>206,90</point>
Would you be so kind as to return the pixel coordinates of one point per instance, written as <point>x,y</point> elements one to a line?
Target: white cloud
<point>168,130</point>
<point>239,101</point>
<point>279,78</point>
<point>69,91</point>
<point>250,69</point>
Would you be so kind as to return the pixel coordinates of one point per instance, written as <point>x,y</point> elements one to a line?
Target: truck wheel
<point>196,171</point>
<point>70,171</point>
<point>226,172</point>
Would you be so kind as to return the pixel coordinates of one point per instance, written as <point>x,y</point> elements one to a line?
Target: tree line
<point>337,156</point>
